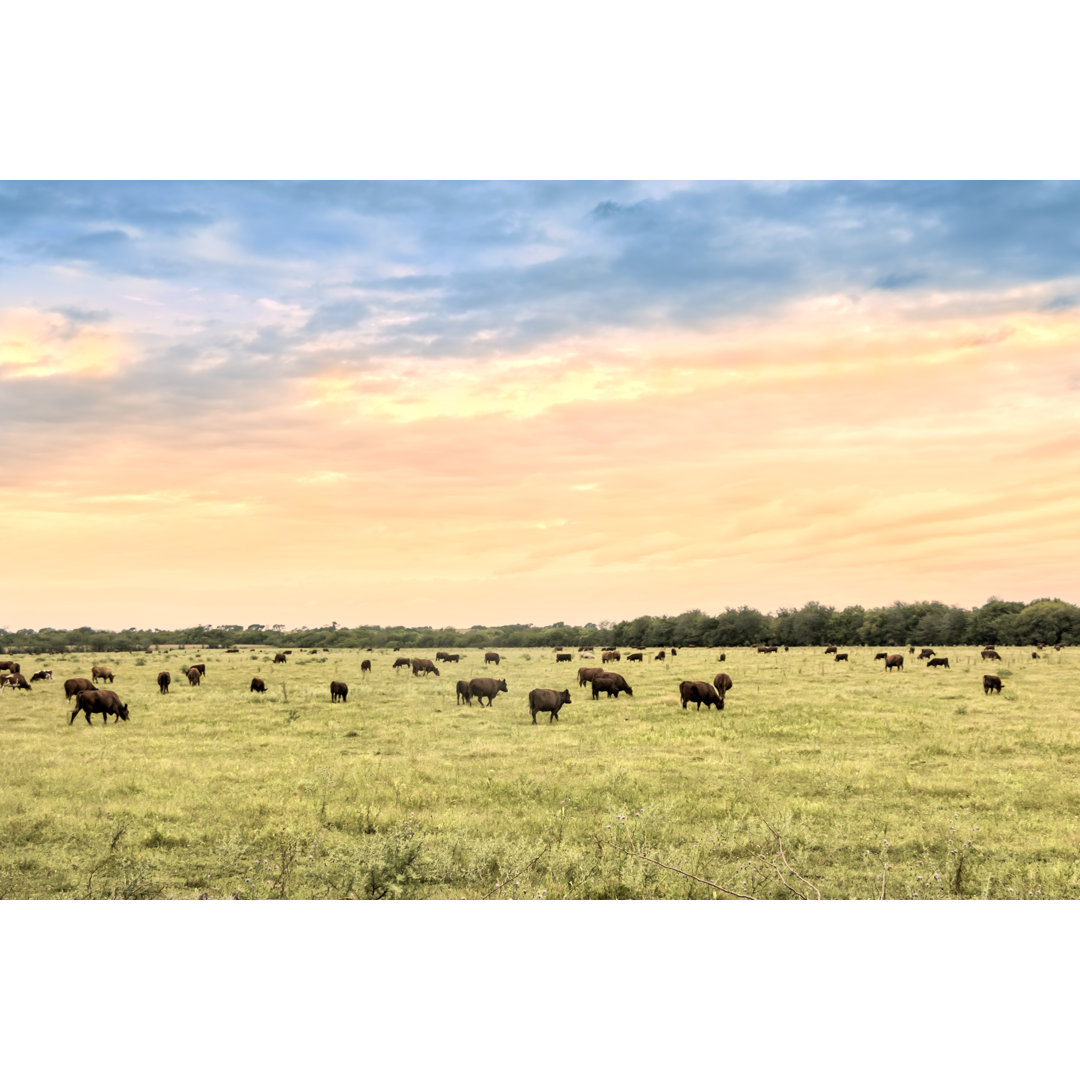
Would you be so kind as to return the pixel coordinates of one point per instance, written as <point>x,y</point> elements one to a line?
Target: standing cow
<point>894,661</point>
<point>491,658</point>
<point>101,672</point>
<point>339,691</point>
<point>163,680</point>
<point>193,676</point>
<point>464,696</point>
<point>549,701</point>
<point>486,688</point>
<point>281,658</point>
<point>991,683</point>
<point>365,666</point>
<point>258,686</point>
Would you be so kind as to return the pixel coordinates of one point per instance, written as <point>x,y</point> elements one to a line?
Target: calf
<point>163,680</point>
<point>486,688</point>
<point>702,693</point>
<point>938,661</point>
<point>258,686</point>
<point>991,683</point>
<point>464,697</point>
<point>339,691</point>
<point>549,701</point>
<point>105,702</point>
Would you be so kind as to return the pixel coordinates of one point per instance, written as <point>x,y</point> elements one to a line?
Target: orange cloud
<point>40,344</point>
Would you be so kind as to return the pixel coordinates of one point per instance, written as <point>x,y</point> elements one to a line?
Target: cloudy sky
<point>458,403</point>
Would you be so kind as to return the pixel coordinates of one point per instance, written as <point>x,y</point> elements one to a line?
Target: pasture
<point>838,779</point>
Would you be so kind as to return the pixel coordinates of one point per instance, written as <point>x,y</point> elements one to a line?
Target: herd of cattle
<point>90,699</point>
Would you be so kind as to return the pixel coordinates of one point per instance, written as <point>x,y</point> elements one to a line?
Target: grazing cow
<point>486,688</point>
<point>587,674</point>
<point>288,652</point>
<point>675,652</point>
<point>6,680</point>
<point>339,691</point>
<point>608,655</point>
<point>491,658</point>
<point>464,696</point>
<point>925,654</point>
<point>193,676</point>
<point>660,655</point>
<point>17,681</point>
<point>635,656</point>
<point>723,683</point>
<point>442,656</point>
<point>452,657</point>
<point>723,656</point>
<point>10,665</point>
<point>830,649</point>
<point>990,654</point>
<point>365,666</point>
<point>563,657</point>
<point>38,676</point>
<point>280,658</point>
<point>420,664</point>
<point>232,648</point>
<point>105,702</point>
<point>938,661</point>
<point>896,660</point>
<point>1034,656</point>
<point>402,662</point>
<point>880,656</point>
<point>549,701</point>
<point>772,649</point>
<point>163,680</point>
<point>1040,644</point>
<point>702,693</point>
<point>612,684</point>
<point>258,686</point>
<point>73,686</point>
<point>840,656</point>
<point>101,672</point>
<point>991,683</point>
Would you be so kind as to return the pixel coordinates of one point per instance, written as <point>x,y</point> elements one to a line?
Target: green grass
<point>402,793</point>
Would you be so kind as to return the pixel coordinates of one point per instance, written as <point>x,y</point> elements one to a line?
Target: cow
<point>491,658</point>
<point>896,660</point>
<point>10,665</point>
<point>105,702</point>
<point>442,656</point>
<point>73,686</point>
<point>991,683</point>
<point>420,664</point>
<point>675,652</point>
<point>163,680</point>
<point>990,654</point>
<point>938,661</point>
<point>452,657</point>
<point>587,674</point>
<point>702,693</point>
<point>365,666</point>
<point>1034,656</point>
<point>257,686</point>
<point>723,683</point>
<point>101,672</point>
<point>660,655</point>
<point>464,696</point>
<point>288,652</point>
<point>1058,648</point>
<point>772,649</point>
<point>925,654</point>
<point>563,657</point>
<point>6,680</point>
<point>911,650</point>
<point>549,701</point>
<point>609,655</point>
<point>830,649</point>
<point>313,652</point>
<point>486,688</point>
<point>232,648</point>
<point>193,676</point>
<point>610,683</point>
<point>881,656</point>
<point>17,681</point>
<point>635,656</point>
<point>339,691</point>
<point>840,656</point>
<point>723,656</point>
<point>280,658</point>
<point>38,676</point>
<point>401,661</point>
<point>201,669</point>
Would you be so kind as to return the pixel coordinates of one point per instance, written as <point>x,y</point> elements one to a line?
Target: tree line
<point>1002,622</point>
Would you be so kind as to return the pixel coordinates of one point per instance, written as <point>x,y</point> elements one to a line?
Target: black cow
<point>991,683</point>
<point>401,662</point>
<point>486,688</point>
<point>163,680</point>
<point>563,657</point>
<point>610,683</point>
<point>365,666</point>
<point>258,686</point>
<point>464,696</point>
<point>339,691</point>
<point>938,661</point>
<point>881,656</point>
<point>701,692</point>
<point>549,701</point>
<point>105,702</point>
<point>661,655</point>
<point>925,654</point>
<point>840,656</point>
<point>491,658</point>
<point>830,649</point>
<point>634,656</point>
<point>990,654</point>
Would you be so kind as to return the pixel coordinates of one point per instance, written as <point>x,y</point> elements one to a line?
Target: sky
<point>459,403</point>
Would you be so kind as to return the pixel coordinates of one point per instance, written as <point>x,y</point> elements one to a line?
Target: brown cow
<point>990,654</point>
<point>258,686</point>
<point>101,672</point>
<point>723,683</point>
<point>442,655</point>
<point>612,684</point>
<point>991,683</point>
<point>105,702</point>
<point>201,669</point>
<point>73,686</point>
<point>896,660</point>
<point>464,696</point>
<point>1034,656</point>
<point>491,658</point>
<point>549,701</point>
<point>660,655</point>
<point>17,681</point>
<point>938,661</point>
<point>402,662</point>
<point>830,649</point>
<point>339,691</point>
<point>486,688</point>
<point>840,656</point>
<point>723,656</point>
<point>163,680</point>
<point>610,654</point>
<point>193,676</point>
<point>365,666</point>
<point>635,656</point>
<point>925,654</point>
<point>702,693</point>
<point>423,665</point>
<point>10,665</point>
<point>587,674</point>
<point>280,658</point>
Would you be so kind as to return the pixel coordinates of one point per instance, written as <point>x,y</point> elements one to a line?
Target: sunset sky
<point>450,404</point>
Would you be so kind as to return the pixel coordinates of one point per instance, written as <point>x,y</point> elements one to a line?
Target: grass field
<point>818,778</point>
